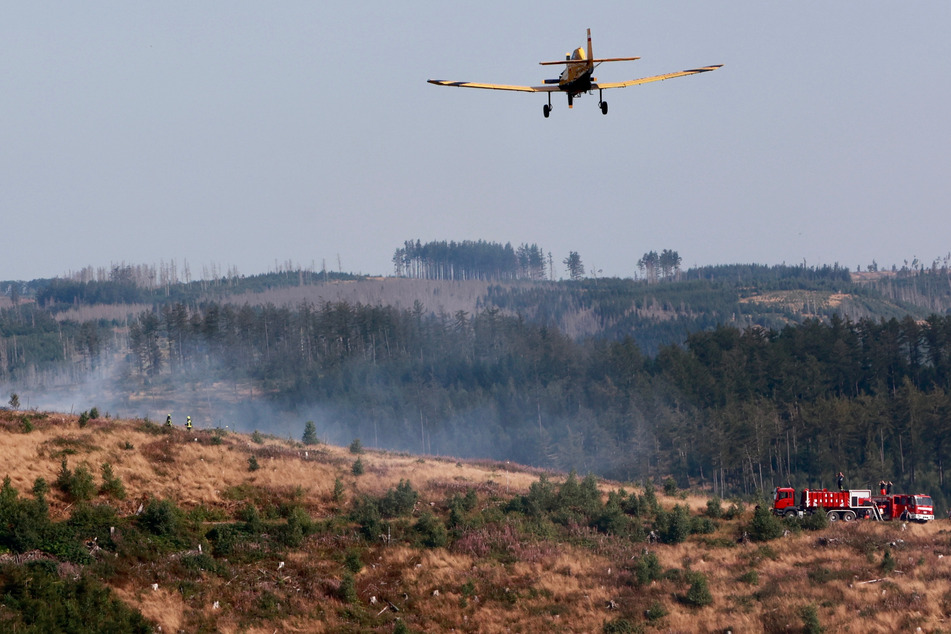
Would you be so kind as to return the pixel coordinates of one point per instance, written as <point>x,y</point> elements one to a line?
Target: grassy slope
<point>563,584</point>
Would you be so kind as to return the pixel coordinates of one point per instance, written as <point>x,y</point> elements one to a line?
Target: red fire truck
<point>852,504</point>
<point>916,508</point>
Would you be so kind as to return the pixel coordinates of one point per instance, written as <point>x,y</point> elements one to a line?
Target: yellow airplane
<point>577,79</point>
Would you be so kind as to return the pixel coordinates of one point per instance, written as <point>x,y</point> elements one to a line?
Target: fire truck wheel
<point>790,513</point>
<point>848,516</point>
<point>833,516</point>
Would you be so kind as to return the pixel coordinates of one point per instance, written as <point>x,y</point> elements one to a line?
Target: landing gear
<point>604,107</point>
<point>546,110</point>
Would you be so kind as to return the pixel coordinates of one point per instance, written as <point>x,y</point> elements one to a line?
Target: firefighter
<point>841,479</point>
<point>888,488</point>
<point>881,487</point>
<point>168,420</point>
<point>188,422</point>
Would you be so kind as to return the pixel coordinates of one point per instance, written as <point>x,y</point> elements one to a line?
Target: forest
<point>700,378</point>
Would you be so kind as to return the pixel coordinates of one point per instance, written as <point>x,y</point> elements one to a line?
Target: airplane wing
<point>472,84</point>
<point>647,80</point>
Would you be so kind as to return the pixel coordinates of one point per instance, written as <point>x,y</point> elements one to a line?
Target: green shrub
<point>161,518</point>
<point>656,611</point>
<point>399,501</point>
<point>111,484</point>
<point>310,433</point>
<point>94,413</point>
<point>251,517</point>
<point>699,593</point>
<point>674,526</point>
<point>256,437</point>
<point>647,568</point>
<point>764,526</point>
<point>750,578</point>
<point>714,508</point>
<point>670,487</point>
<point>366,514</point>
<point>352,561</point>
<point>83,419</point>
<point>253,463</point>
<point>815,521</point>
<point>357,468</point>
<point>620,626</point>
<point>431,530</point>
<point>888,562</point>
<point>347,592</point>
<point>337,495</point>
<point>810,620</point>
<point>356,447</point>
<point>702,525</point>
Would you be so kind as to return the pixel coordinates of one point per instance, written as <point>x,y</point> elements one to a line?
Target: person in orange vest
<point>188,422</point>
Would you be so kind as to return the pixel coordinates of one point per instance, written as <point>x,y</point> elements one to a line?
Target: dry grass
<point>518,583</point>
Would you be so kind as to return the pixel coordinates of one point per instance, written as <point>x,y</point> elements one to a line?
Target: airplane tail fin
<point>590,52</point>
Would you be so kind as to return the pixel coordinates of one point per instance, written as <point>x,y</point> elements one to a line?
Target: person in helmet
<point>188,422</point>
<point>168,420</point>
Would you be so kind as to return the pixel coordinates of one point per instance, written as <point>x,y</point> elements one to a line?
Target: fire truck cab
<point>906,507</point>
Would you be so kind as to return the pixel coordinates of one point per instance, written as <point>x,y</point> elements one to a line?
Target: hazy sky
<point>244,133</point>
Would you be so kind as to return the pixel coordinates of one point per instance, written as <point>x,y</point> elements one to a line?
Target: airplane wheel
<point>604,107</point>
<point>546,110</point>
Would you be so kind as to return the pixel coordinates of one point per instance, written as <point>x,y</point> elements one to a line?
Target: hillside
<point>195,538</point>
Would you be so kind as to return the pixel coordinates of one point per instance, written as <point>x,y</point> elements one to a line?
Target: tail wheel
<point>833,516</point>
<point>546,110</point>
<point>604,107</point>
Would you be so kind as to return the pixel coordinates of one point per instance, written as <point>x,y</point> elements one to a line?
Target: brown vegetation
<point>492,576</point>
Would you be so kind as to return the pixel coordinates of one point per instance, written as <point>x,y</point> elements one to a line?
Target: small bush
<point>620,626</point>
<point>674,526</point>
<point>670,487</point>
<point>749,578</point>
<point>338,492</point>
<point>357,468</point>
<point>656,611</point>
<point>699,593</point>
<point>83,419</point>
<point>714,508</point>
<point>352,561</point>
<point>816,521</point>
<point>888,562</point>
<point>310,434</point>
<point>256,437</point>
<point>764,526</point>
<point>647,568</point>
<point>347,592</point>
<point>810,620</point>
<point>253,463</point>
<point>356,447</point>
<point>399,501</point>
<point>94,413</point>
<point>111,484</point>
<point>431,531</point>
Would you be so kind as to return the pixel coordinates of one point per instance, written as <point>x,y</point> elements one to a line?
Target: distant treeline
<point>739,410</point>
<point>125,288</point>
<point>468,260</point>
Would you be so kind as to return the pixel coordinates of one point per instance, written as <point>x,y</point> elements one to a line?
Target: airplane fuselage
<point>576,78</point>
